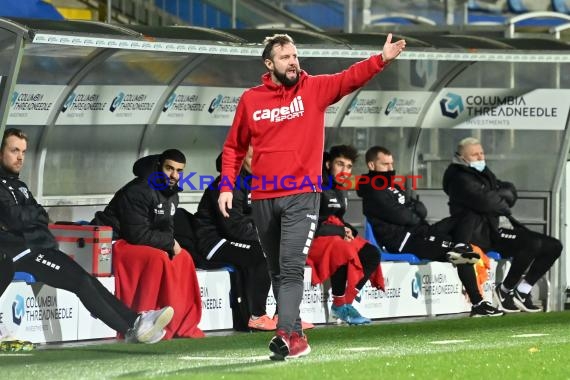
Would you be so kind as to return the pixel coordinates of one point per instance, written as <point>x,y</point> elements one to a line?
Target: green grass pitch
<point>523,346</point>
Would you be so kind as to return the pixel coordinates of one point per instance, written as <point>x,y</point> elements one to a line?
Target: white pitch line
<point>450,341</point>
<point>14,354</point>
<point>527,335</point>
<point>361,349</point>
<point>222,358</point>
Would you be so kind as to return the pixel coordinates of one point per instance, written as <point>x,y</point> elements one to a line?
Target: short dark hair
<point>172,154</point>
<point>12,132</point>
<point>276,39</point>
<point>346,151</point>
<point>372,153</point>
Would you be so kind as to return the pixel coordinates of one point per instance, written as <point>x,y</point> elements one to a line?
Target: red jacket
<point>285,126</point>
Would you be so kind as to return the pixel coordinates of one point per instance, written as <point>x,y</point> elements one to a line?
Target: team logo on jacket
<point>333,203</point>
<point>24,191</point>
<point>295,109</point>
<point>159,210</point>
<point>172,209</point>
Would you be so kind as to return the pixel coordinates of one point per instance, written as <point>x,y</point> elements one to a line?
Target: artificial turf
<point>522,346</point>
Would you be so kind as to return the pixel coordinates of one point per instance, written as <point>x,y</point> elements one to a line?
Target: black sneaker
<point>504,300</point>
<point>524,302</point>
<point>485,309</point>
<point>462,254</point>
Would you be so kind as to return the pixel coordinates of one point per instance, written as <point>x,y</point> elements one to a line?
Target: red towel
<point>146,279</point>
<point>328,253</point>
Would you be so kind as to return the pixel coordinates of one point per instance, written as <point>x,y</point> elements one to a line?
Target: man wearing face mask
<point>399,225</point>
<point>482,206</point>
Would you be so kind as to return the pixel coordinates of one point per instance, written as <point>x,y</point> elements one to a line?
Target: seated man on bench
<point>27,245</point>
<point>481,204</point>
<point>399,224</point>
<point>234,241</point>
<point>151,268</point>
<point>337,252</point>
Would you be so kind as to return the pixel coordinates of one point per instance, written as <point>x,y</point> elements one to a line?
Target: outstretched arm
<point>391,49</point>
<point>332,87</point>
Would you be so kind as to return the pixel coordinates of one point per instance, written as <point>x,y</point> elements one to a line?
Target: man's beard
<point>10,171</point>
<point>282,77</point>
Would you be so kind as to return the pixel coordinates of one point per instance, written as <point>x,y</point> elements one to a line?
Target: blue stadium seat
<point>386,256</point>
<point>562,6</point>
<point>230,268</point>
<point>24,276</point>
<point>494,255</point>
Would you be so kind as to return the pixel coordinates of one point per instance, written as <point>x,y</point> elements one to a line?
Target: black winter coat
<point>23,222</point>
<point>391,212</point>
<point>480,197</point>
<point>141,214</point>
<point>212,226</point>
<point>334,201</point>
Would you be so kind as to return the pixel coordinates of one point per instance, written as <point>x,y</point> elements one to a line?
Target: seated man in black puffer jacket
<point>482,204</point>
<point>234,241</point>
<point>399,224</point>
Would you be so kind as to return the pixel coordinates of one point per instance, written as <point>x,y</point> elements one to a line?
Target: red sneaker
<point>299,346</point>
<point>279,345</point>
<point>304,325</point>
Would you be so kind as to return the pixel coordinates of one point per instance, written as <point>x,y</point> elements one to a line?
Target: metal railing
<point>143,12</point>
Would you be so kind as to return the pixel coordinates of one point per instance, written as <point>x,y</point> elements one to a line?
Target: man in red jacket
<point>283,119</point>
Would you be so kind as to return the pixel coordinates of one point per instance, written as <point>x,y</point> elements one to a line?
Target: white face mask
<point>478,165</point>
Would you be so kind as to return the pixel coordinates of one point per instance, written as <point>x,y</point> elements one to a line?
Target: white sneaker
<point>149,326</point>
<point>157,338</point>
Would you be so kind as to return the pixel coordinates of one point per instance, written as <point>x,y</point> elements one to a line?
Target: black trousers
<point>531,252</point>
<point>248,257</point>
<point>369,258</point>
<point>429,244</point>
<point>56,269</point>
<point>6,271</point>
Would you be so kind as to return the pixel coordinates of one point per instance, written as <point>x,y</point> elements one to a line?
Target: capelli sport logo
<point>451,105</point>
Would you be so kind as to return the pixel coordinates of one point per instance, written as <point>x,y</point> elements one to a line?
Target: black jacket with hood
<point>391,212</point>
<point>141,214</point>
<point>23,222</point>
<point>480,197</point>
<point>212,226</point>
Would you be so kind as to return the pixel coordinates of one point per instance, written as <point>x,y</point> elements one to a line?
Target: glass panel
<point>136,67</point>
<point>46,64</point>
<point>200,144</point>
<point>90,160</point>
<point>227,71</point>
<point>7,53</point>
<point>400,141</point>
<point>526,158</point>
